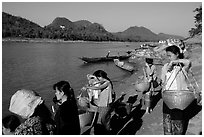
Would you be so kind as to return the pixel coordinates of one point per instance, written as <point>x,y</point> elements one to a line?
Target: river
<point>38,65</point>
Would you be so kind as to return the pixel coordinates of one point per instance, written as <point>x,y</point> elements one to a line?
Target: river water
<point>38,65</point>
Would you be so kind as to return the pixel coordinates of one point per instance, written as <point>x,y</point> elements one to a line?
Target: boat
<point>123,65</point>
<point>103,59</point>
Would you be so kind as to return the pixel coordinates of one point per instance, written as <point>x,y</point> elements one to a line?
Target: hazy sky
<point>167,17</point>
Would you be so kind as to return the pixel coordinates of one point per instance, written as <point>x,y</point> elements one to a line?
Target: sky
<point>175,18</point>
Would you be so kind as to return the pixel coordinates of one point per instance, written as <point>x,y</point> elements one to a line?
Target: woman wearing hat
<point>30,106</point>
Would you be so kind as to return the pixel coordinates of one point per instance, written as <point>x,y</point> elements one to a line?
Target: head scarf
<point>24,102</point>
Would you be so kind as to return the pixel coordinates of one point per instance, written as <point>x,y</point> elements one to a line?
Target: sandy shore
<point>152,124</point>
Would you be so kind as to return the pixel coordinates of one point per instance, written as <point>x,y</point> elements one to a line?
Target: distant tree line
<point>13,26</point>
<point>62,28</point>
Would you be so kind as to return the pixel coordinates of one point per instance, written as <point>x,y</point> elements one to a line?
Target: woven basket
<point>178,98</point>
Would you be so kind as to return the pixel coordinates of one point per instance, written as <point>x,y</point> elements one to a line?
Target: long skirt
<point>173,121</point>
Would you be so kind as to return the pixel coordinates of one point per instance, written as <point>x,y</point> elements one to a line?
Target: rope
<point>173,79</point>
<point>190,82</point>
<point>194,78</point>
<point>194,90</point>
<point>168,78</point>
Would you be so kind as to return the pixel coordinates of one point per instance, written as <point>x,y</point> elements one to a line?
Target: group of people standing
<point>30,106</point>
<point>38,120</point>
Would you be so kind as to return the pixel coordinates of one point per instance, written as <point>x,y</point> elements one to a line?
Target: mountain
<point>79,30</point>
<point>167,36</point>
<point>82,23</point>
<point>144,34</point>
<point>13,26</point>
<point>138,34</point>
<point>61,22</point>
<point>63,28</point>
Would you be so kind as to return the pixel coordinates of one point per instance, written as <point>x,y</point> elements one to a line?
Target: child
<point>150,76</point>
<point>9,124</point>
<point>93,93</point>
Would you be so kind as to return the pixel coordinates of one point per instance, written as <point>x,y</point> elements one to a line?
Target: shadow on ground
<point>192,110</point>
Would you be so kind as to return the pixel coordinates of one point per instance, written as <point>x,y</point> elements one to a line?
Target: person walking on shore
<point>173,78</point>
<point>151,76</point>
<point>66,117</point>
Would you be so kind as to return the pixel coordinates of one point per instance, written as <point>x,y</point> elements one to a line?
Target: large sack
<point>24,102</point>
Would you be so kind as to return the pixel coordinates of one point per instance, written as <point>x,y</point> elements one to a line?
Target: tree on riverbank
<point>64,29</point>
<point>198,23</point>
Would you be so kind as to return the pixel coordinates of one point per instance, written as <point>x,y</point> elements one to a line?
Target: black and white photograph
<point>101,68</point>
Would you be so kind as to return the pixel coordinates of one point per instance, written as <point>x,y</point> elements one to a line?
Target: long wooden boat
<point>123,65</point>
<point>103,59</point>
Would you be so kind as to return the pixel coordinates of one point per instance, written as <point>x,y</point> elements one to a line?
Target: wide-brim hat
<point>24,102</point>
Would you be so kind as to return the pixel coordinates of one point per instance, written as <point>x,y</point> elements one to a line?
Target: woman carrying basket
<point>174,78</point>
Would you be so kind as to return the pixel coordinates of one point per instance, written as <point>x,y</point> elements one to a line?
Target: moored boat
<point>103,59</point>
<point>123,65</point>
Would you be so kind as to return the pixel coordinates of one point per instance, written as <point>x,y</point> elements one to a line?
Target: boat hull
<point>123,65</point>
<point>103,59</point>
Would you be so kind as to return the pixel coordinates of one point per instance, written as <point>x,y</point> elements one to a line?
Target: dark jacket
<point>67,119</point>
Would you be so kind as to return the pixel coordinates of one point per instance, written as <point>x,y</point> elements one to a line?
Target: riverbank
<point>152,124</point>
<point>40,40</point>
<point>49,40</point>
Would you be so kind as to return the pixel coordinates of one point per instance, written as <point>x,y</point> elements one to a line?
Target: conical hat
<point>24,102</point>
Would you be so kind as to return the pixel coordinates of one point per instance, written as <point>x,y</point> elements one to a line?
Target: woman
<point>173,77</point>
<point>66,117</point>
<point>30,106</point>
<point>105,96</point>
<point>9,124</point>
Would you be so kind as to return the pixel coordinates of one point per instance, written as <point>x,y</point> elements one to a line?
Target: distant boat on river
<point>103,59</point>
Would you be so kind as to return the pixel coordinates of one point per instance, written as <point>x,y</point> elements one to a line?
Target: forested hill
<point>63,28</point>
<point>13,26</point>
